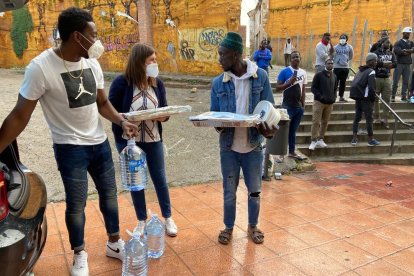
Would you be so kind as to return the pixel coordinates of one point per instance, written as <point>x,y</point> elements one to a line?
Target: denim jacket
<point>223,99</point>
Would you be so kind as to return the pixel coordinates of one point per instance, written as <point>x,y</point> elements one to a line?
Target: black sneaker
<point>373,143</point>
<point>354,141</point>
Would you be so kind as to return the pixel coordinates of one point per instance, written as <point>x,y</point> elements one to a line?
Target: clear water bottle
<point>155,230</point>
<point>135,256</point>
<point>133,167</point>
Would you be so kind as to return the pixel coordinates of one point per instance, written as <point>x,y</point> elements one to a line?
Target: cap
<point>371,56</point>
<point>233,41</point>
<point>407,30</point>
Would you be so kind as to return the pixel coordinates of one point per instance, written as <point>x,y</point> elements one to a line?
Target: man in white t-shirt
<point>287,51</point>
<point>68,82</point>
<point>291,81</point>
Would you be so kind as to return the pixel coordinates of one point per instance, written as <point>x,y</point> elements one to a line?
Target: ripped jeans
<point>251,164</point>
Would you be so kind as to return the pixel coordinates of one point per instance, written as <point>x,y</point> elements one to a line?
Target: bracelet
<point>122,121</point>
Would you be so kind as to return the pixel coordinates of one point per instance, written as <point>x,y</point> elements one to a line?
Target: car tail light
<point>4,205</point>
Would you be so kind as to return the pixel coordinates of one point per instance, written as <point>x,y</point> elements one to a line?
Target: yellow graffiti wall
<point>189,45</point>
<point>117,33</point>
<point>303,18</point>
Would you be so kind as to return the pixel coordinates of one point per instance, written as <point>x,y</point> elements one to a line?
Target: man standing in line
<point>291,81</point>
<point>403,50</point>
<point>343,55</point>
<point>377,45</point>
<point>287,51</point>
<point>324,95</point>
<point>324,49</point>
<point>386,61</point>
<point>68,82</point>
<point>238,90</point>
<point>269,46</point>
<point>363,92</point>
<point>263,56</point>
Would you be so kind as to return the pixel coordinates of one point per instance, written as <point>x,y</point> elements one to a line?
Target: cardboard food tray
<point>211,123</point>
<point>224,119</point>
<point>150,114</point>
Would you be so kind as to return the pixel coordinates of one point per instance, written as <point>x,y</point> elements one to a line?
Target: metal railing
<point>397,118</point>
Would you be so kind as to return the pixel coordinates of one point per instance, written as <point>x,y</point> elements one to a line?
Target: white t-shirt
<point>148,129</point>
<point>68,104</point>
<point>242,89</point>
<point>288,48</point>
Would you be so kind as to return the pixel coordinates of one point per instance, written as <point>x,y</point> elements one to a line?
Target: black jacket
<point>120,96</point>
<point>323,87</point>
<point>363,85</point>
<point>384,56</point>
<point>399,46</point>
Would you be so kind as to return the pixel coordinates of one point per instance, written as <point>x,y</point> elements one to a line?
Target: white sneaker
<point>170,227</point>
<point>140,227</point>
<point>80,264</point>
<point>312,146</point>
<point>115,249</point>
<point>321,143</point>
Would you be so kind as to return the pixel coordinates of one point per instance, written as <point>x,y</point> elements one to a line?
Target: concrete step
<point>346,125</point>
<point>346,149</point>
<point>346,136</point>
<point>350,114</point>
<point>351,106</point>
<point>379,158</point>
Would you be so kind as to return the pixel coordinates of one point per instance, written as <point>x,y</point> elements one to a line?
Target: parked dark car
<point>23,225</point>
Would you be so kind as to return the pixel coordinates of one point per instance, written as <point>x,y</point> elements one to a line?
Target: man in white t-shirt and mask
<point>238,90</point>
<point>68,82</point>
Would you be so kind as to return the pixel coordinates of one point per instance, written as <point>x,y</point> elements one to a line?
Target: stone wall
<point>303,18</point>
<point>185,33</point>
<point>189,44</point>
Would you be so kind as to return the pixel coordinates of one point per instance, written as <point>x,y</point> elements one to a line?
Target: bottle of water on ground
<point>135,256</point>
<point>155,230</point>
<point>133,167</point>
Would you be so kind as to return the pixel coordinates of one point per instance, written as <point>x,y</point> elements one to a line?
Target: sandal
<point>296,156</point>
<point>255,234</point>
<point>225,236</point>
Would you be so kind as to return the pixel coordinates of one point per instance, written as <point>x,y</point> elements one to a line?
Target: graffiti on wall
<point>119,42</point>
<point>210,38</point>
<point>200,44</point>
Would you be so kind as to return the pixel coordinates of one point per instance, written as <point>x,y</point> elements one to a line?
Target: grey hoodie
<point>342,55</point>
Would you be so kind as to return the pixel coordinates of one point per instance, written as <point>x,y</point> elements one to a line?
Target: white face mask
<point>342,41</point>
<point>152,70</point>
<point>96,50</point>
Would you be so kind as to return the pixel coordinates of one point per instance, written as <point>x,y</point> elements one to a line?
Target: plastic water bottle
<point>133,167</point>
<point>136,256</point>
<point>155,230</point>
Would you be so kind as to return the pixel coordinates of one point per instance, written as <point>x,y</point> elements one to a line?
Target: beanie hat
<point>371,56</point>
<point>233,41</point>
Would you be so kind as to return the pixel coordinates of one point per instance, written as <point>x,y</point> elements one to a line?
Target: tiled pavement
<point>340,220</point>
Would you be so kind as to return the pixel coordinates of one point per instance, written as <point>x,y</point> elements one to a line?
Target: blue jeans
<point>251,164</point>
<point>295,115</point>
<point>74,162</point>
<point>155,160</point>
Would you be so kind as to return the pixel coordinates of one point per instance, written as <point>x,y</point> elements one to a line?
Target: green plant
<point>22,24</point>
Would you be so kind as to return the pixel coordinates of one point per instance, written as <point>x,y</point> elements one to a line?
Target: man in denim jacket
<point>238,90</point>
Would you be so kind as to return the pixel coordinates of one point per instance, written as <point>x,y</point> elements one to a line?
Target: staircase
<point>339,136</point>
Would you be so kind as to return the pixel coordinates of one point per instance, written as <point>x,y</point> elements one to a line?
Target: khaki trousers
<point>320,119</point>
<point>383,87</point>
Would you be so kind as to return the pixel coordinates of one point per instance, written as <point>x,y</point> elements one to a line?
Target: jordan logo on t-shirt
<point>80,91</point>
